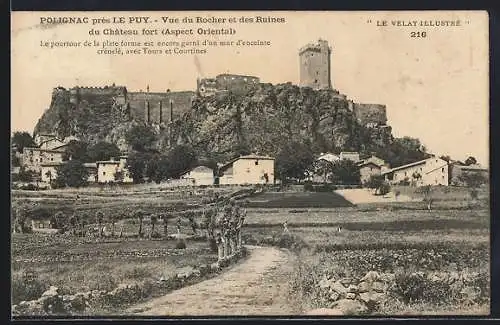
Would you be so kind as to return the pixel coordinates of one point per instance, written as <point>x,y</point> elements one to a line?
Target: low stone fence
<point>366,295</point>
<point>53,302</point>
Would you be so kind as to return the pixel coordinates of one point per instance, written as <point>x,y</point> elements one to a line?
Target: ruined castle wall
<point>96,94</point>
<point>370,113</point>
<point>237,84</point>
<point>181,102</point>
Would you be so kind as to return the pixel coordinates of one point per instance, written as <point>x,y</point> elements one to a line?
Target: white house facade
<point>201,175</point>
<point>251,169</point>
<point>431,171</point>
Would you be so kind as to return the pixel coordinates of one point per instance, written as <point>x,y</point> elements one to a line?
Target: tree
<point>25,175</point>
<point>446,158</point>
<point>20,219</point>
<point>140,137</point>
<point>473,180</point>
<point>73,221</point>
<point>470,161</point>
<point>136,164</point>
<point>154,220</point>
<point>140,216</point>
<point>180,159</point>
<point>77,150</point>
<point>375,182</point>
<point>428,197</point>
<point>157,168</point>
<point>58,221</point>
<point>113,218</point>
<point>15,161</point>
<point>99,218</point>
<point>402,151</point>
<point>72,173</point>
<point>323,168</point>
<point>293,160</point>
<point>22,140</point>
<point>103,151</point>
<point>345,171</point>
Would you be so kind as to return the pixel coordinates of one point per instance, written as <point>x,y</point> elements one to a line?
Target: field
<point>420,249</point>
<point>330,238</point>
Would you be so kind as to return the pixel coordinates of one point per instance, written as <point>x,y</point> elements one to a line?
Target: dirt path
<point>258,286</point>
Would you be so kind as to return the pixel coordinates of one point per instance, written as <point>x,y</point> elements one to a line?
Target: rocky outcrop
<point>261,121</point>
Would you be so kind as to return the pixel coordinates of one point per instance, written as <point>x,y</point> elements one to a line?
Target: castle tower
<point>315,66</point>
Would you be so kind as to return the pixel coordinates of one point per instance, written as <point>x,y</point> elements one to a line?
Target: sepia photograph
<point>238,163</point>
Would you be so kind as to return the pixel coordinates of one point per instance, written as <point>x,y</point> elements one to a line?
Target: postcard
<point>268,163</point>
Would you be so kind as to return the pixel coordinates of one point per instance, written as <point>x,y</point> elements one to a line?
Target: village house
<point>32,158</point>
<point>317,172</point>
<point>329,157</point>
<point>49,171</point>
<point>251,169</point>
<point>91,169</point>
<point>368,169</point>
<point>200,175</point>
<point>371,166</point>
<point>107,171</point>
<point>349,155</point>
<point>457,171</point>
<point>430,171</point>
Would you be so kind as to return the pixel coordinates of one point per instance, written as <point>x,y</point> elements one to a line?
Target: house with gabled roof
<point>249,169</point>
<point>430,171</point>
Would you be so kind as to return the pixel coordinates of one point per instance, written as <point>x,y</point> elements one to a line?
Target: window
<point>315,81</point>
<point>103,173</point>
<point>51,159</point>
<point>256,163</point>
<point>442,169</point>
<point>248,170</point>
<point>41,159</point>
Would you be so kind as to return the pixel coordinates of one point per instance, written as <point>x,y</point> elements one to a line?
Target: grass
<point>298,200</point>
<point>385,237</point>
<point>74,266</point>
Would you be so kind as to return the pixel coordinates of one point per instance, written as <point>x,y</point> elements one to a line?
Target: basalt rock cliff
<point>224,125</point>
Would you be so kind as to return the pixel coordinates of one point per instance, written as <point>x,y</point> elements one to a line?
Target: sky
<point>435,87</point>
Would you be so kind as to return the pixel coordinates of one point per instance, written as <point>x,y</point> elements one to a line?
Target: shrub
<point>308,187</point>
<point>181,244</point>
<point>27,289</point>
<point>416,286</point>
<point>384,189</point>
<point>289,241</point>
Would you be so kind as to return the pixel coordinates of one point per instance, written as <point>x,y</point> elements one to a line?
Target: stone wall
<point>181,102</point>
<point>53,302</point>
